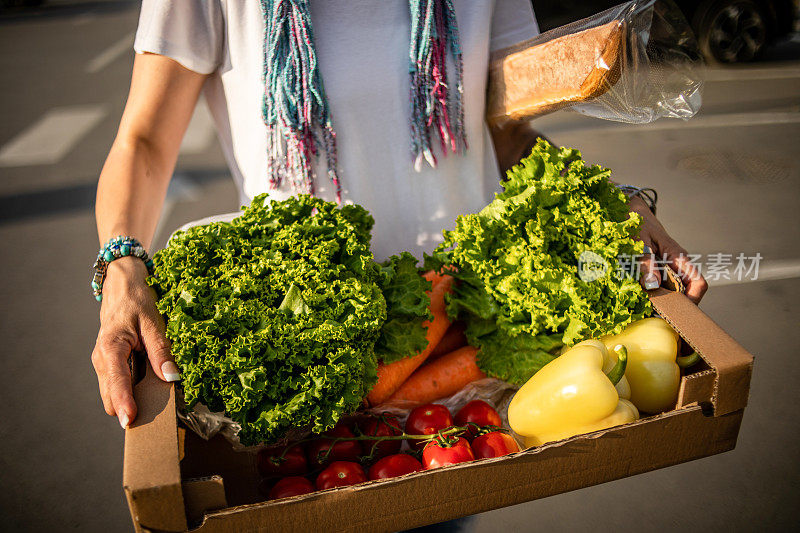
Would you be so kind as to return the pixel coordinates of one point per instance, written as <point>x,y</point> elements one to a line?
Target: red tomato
<point>290,486</point>
<point>340,474</point>
<point>376,427</point>
<point>477,412</point>
<point>293,463</point>
<point>428,419</point>
<point>393,466</point>
<point>494,444</point>
<point>438,454</point>
<point>346,450</point>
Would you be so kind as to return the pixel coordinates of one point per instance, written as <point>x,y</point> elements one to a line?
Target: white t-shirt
<point>362,47</point>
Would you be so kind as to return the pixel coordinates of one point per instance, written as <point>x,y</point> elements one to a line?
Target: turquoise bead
<point>99,297</point>
<point>125,249</point>
<point>108,256</point>
<point>95,285</point>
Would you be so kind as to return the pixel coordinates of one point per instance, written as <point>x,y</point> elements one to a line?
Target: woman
<point>262,68</point>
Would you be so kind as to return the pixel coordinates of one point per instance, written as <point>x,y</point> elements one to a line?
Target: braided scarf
<point>296,111</point>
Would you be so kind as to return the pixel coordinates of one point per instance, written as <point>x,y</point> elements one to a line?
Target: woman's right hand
<point>130,195</point>
<point>129,321</point>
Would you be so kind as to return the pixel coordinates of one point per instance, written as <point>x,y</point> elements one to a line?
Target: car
<point>728,31</point>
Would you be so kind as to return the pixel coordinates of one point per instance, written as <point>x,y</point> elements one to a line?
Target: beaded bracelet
<point>121,246</point>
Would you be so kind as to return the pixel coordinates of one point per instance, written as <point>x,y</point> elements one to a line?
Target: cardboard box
<point>173,480</point>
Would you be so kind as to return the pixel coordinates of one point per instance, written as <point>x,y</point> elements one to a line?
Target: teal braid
<point>295,108</point>
<point>433,105</point>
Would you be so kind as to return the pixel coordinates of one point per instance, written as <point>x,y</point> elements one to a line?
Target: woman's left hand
<point>666,249</point>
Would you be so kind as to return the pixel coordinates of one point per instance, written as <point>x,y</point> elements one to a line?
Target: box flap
<point>696,388</point>
<point>731,362</point>
<point>151,470</point>
<point>203,494</point>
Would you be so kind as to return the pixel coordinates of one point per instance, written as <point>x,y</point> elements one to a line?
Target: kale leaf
<point>274,316</point>
<point>518,263</point>
<point>407,305</point>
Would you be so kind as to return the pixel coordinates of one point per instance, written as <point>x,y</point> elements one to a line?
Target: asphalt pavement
<point>728,182</point>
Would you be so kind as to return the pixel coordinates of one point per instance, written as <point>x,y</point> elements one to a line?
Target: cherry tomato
<point>340,474</point>
<point>438,454</point>
<point>393,466</point>
<point>428,419</point>
<point>293,463</point>
<point>389,426</point>
<point>346,450</point>
<point>290,486</point>
<point>494,444</point>
<point>477,412</point>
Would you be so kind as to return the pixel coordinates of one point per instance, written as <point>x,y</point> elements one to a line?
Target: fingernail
<point>651,282</point>
<point>123,420</point>
<point>170,371</point>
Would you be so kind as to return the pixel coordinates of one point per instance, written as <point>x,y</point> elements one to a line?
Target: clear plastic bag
<point>495,392</point>
<point>636,62</point>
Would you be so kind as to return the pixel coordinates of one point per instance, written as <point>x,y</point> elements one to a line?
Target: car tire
<point>731,31</point>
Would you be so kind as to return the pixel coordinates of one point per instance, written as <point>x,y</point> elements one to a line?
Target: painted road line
<point>200,132</point>
<point>110,54</point>
<point>724,120</point>
<point>181,188</point>
<point>768,271</point>
<point>84,18</point>
<point>752,74</point>
<point>51,137</point>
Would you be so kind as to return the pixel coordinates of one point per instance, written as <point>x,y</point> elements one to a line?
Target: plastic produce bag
<point>495,392</point>
<point>635,63</point>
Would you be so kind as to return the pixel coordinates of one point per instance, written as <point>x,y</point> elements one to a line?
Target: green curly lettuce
<point>274,317</point>
<point>520,290</point>
<point>407,305</point>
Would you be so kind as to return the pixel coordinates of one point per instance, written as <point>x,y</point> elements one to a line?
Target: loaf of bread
<point>525,82</point>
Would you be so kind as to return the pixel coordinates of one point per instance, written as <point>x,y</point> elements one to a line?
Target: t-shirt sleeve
<point>513,21</point>
<point>189,31</point>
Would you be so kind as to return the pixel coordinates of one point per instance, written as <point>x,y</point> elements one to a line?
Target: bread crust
<point>545,77</point>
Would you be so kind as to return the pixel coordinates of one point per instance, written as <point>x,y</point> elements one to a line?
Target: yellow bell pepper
<point>652,371</point>
<point>625,413</point>
<point>571,395</point>
<point>609,360</point>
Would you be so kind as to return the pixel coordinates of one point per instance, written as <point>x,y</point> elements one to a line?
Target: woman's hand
<point>664,247</point>
<point>130,194</point>
<point>129,322</point>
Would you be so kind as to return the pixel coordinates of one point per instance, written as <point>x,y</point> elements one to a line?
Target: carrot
<point>443,377</point>
<point>391,376</point>
<point>453,339</point>
<point>433,277</point>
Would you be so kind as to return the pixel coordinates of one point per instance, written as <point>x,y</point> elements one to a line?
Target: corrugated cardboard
<point>214,489</point>
<point>151,474</point>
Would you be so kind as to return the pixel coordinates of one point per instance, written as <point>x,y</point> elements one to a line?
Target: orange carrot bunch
<point>391,376</point>
<point>412,381</point>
